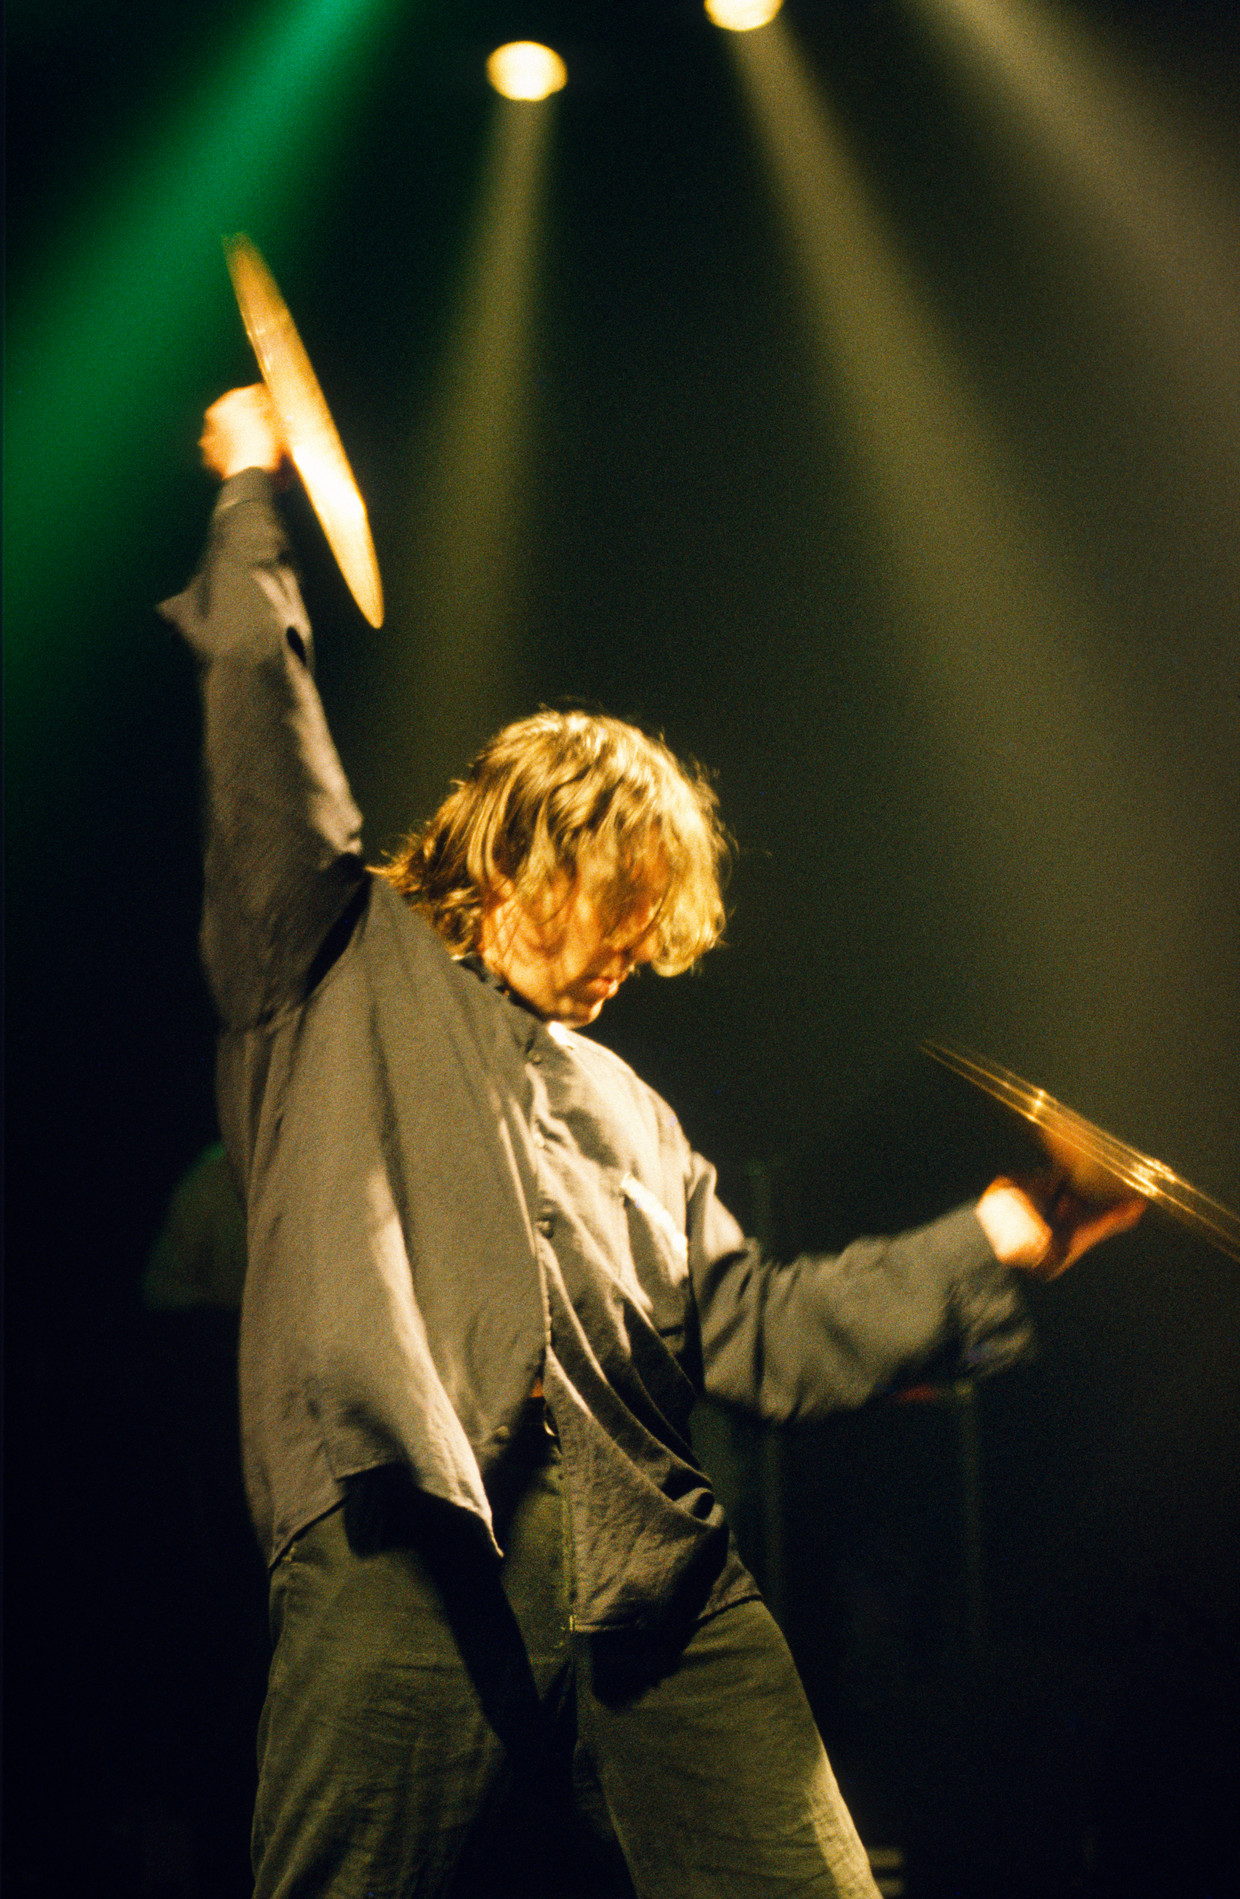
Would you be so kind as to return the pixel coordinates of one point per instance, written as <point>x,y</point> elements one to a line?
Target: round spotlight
<point>525,70</point>
<point>741,16</point>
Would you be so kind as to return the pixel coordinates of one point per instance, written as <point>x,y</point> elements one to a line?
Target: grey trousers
<point>434,1727</point>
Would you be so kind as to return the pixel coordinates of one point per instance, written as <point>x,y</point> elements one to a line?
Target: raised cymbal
<point>1098,1166</point>
<point>308,427</point>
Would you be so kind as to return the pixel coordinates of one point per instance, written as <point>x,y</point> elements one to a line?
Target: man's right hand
<point>242,430</point>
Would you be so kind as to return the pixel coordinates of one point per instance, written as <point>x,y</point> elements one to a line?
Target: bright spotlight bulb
<point>741,16</point>
<point>525,70</point>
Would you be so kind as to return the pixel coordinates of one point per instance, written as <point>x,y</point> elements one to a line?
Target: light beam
<point>134,302</point>
<point>1032,792</point>
<point>1160,213</point>
<point>461,587</point>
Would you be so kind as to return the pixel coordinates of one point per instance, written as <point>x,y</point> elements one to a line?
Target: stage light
<point>525,70</point>
<point>741,16</point>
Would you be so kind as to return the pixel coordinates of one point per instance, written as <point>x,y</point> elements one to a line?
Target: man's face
<point>567,955</point>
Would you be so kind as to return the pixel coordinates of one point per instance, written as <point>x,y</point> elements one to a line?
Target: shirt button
<point>546,1224</point>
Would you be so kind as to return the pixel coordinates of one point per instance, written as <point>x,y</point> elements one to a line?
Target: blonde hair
<point>553,793</point>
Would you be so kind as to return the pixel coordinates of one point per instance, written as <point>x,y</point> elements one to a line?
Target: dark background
<point>1047,872</point>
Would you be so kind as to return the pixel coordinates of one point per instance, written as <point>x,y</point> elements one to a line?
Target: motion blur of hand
<point>242,430</point>
<point>1038,1224</point>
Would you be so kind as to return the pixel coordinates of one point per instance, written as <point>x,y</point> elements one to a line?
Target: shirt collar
<point>474,964</point>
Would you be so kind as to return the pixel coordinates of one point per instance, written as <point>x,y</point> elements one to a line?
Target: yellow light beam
<point>1030,753</point>
<point>462,586</point>
<point>1161,213</point>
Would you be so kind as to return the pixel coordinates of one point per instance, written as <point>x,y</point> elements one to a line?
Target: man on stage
<point>515,1649</point>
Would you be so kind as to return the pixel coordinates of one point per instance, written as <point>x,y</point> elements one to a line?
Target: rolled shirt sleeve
<point>825,1332</point>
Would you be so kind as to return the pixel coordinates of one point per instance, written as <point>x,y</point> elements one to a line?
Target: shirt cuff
<point>249,484</point>
<point>1013,1226</point>
<point>990,1314</point>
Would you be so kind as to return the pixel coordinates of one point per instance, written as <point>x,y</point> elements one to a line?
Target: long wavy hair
<point>548,795</point>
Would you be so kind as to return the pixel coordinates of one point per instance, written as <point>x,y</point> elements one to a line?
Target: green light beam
<point>133,303</point>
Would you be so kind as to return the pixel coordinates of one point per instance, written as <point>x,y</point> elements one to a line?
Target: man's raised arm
<point>283,860</point>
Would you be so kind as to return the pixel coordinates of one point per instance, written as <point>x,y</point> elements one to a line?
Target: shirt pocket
<point>659,1252</point>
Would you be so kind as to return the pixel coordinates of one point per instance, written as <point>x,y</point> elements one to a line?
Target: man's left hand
<point>1038,1224</point>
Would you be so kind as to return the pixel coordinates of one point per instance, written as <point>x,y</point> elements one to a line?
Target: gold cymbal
<point>308,427</point>
<point>1097,1165</point>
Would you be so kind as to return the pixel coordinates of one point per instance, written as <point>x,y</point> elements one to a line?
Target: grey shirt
<point>448,1199</point>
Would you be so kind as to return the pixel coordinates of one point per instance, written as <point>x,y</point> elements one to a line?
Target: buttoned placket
<point>545,1226</point>
<point>545,1208</point>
